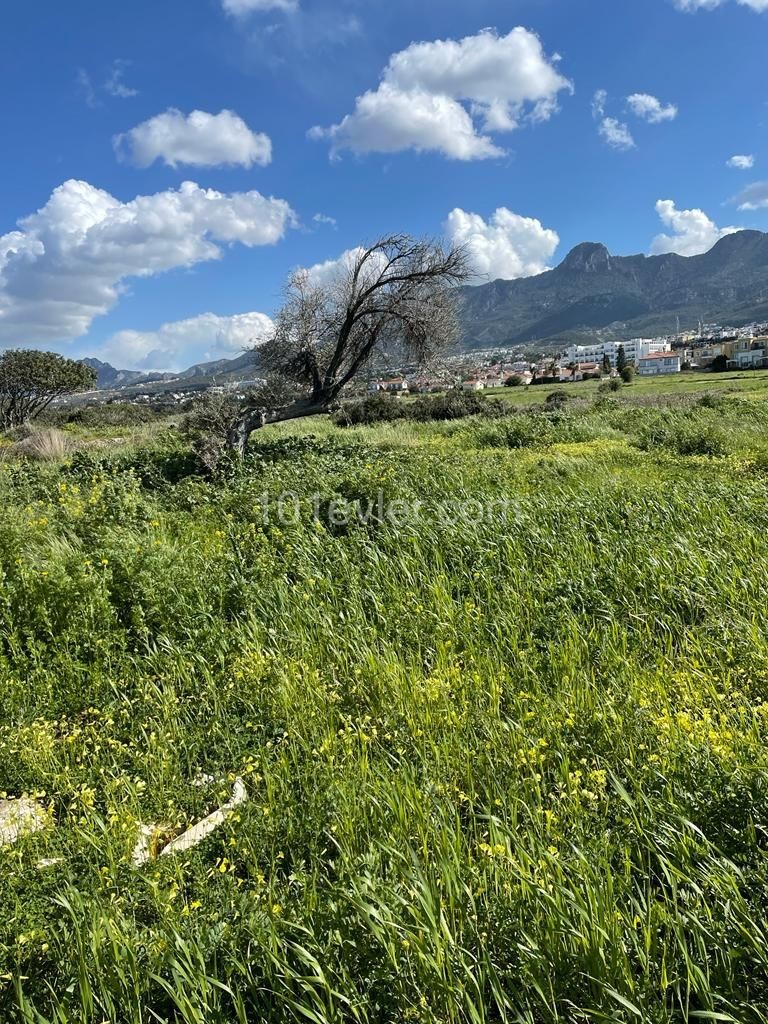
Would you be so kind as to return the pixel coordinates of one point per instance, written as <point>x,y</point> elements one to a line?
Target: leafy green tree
<point>720,364</point>
<point>606,364</point>
<point>621,359</point>
<point>627,374</point>
<point>31,380</point>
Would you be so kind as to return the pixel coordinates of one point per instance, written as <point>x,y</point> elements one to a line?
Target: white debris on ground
<point>20,817</point>
<point>203,780</point>
<point>142,851</point>
<point>192,837</point>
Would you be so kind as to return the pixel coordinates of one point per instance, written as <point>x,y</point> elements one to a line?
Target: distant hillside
<point>632,295</point>
<point>246,361</point>
<point>108,378</point>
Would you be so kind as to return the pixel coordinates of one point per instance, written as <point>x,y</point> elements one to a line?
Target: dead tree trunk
<point>251,420</point>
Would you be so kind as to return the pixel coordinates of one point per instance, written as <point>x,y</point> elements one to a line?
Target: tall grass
<point>508,770</point>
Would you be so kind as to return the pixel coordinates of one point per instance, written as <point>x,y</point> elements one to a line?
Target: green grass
<point>749,383</point>
<point>513,769</point>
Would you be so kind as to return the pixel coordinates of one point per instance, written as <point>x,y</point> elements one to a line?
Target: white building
<point>634,350</point>
<point>658,363</point>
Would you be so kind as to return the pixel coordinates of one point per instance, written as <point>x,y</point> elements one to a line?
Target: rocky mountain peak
<point>588,258</point>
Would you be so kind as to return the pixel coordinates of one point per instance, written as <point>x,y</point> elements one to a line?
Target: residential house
<point>660,363</point>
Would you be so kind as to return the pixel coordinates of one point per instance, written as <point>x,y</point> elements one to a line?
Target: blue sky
<point>521,127</point>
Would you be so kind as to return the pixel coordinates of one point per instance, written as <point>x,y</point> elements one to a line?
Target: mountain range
<point>108,378</point>
<point>590,293</point>
<point>628,296</point>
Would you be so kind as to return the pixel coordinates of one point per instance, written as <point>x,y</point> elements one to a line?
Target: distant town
<point>713,347</point>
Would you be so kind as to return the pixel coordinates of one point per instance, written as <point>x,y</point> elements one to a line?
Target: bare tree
<point>397,295</point>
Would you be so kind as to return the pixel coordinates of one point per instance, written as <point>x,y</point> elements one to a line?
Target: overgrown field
<point>505,752</point>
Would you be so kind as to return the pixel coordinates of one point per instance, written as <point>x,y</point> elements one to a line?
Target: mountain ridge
<point>592,290</point>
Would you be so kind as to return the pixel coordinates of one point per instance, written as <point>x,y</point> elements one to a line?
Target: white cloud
<point>68,262</point>
<point>324,274</point>
<point>323,218</point>
<point>115,85</point>
<point>693,231</point>
<point>599,101</point>
<point>616,134</point>
<point>708,5</point>
<point>448,96</point>
<point>651,109</point>
<point>742,163</point>
<point>200,139</point>
<point>754,197</point>
<point>175,346</point>
<point>506,246</point>
<point>389,121</point>
<point>240,8</point>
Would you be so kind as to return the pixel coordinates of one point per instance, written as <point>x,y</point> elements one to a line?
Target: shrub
<point>556,400</point>
<point>451,405</point>
<point>628,374</point>
<point>515,381</point>
<point>209,425</point>
<point>702,440</point>
<point>376,408</point>
<point>111,414</point>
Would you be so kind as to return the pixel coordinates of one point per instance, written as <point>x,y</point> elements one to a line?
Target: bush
<point>452,405</point>
<point>628,374</point>
<point>209,425</point>
<point>556,400</point>
<point>376,408</point>
<point>515,381</point>
<point>112,414</point>
<point>702,441</point>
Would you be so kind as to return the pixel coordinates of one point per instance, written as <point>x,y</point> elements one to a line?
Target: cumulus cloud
<point>326,273</point>
<point>693,231</point>
<point>708,5</point>
<point>742,163</point>
<point>199,139</point>
<point>450,96</point>
<point>177,345</point>
<point>240,8</point>
<point>616,134</point>
<point>651,109</point>
<point>505,246</point>
<point>68,263</point>
<point>754,197</point>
